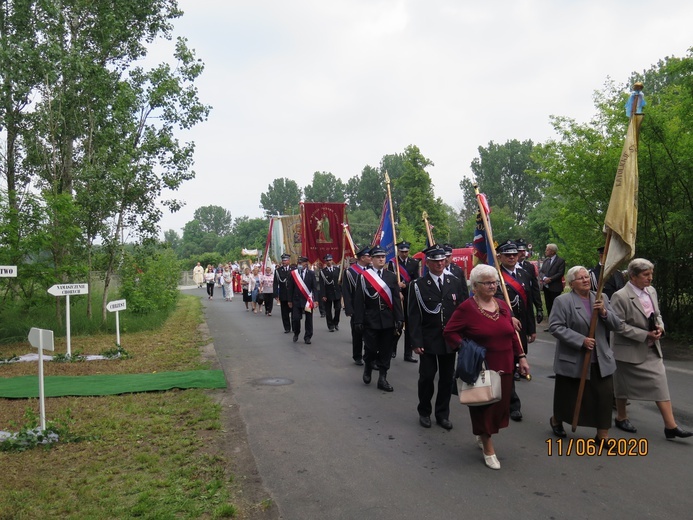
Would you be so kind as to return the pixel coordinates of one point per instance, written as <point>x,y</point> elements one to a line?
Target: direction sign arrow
<point>68,289</point>
<point>116,305</point>
<point>41,338</point>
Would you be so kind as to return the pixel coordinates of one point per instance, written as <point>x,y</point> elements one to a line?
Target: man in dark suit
<point>301,287</point>
<point>331,293</point>
<point>518,286</point>
<point>535,290</point>
<point>363,259</point>
<point>432,300</point>
<point>450,266</point>
<point>408,272</point>
<point>551,275</point>
<point>378,313</point>
<point>614,283</point>
<point>281,291</point>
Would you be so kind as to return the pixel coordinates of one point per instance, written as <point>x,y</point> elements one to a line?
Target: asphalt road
<point>329,447</point>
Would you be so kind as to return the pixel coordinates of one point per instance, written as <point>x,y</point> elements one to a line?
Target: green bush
<point>149,280</point>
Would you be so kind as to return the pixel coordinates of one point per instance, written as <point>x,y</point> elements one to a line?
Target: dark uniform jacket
<point>329,284</point>
<point>522,308</point>
<point>370,309</point>
<point>614,283</point>
<point>430,309</point>
<point>534,281</point>
<point>281,280</point>
<point>295,294</point>
<point>411,266</point>
<point>348,289</point>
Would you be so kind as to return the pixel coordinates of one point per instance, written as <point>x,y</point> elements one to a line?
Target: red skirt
<point>489,419</point>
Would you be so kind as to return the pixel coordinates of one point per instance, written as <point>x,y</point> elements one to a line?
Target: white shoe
<point>491,461</point>
<point>479,442</point>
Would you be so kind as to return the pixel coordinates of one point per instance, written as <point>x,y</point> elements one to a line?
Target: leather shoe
<point>307,340</point>
<point>295,338</point>
<point>384,385</point>
<point>671,433</point>
<point>558,429</point>
<point>358,362</point>
<point>394,355</point>
<point>516,415</point>
<point>367,374</point>
<point>425,421</point>
<point>411,359</point>
<point>491,461</point>
<point>287,331</point>
<point>625,425</point>
<point>444,423</point>
<point>336,327</point>
<point>331,330</point>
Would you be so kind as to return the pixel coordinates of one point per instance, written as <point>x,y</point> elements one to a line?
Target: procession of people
<point>436,310</point>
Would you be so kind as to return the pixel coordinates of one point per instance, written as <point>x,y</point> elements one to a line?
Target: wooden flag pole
<point>424,216</point>
<point>392,221</point>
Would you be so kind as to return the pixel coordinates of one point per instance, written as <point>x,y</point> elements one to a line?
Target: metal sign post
<point>117,306</point>
<point>66,290</point>
<point>41,339</point>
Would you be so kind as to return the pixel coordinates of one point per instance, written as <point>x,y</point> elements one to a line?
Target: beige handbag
<point>486,389</point>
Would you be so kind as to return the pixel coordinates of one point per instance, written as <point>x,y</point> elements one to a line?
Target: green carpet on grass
<point>109,384</point>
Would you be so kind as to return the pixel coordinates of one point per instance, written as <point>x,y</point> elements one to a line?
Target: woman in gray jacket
<point>569,323</point>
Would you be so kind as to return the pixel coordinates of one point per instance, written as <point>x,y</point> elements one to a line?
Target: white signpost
<point>41,339</point>
<point>68,289</point>
<point>8,271</point>
<point>117,306</point>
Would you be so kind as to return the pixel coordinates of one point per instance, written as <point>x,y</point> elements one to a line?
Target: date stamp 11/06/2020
<point>589,447</point>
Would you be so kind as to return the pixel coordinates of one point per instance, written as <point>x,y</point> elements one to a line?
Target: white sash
<point>304,290</point>
<point>380,286</point>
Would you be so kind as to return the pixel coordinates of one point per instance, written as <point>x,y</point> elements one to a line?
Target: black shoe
<point>336,327</point>
<point>307,341</point>
<point>394,355</point>
<point>367,374</point>
<point>516,415</point>
<point>358,362</point>
<point>557,429</point>
<point>444,423</point>
<point>671,433</point>
<point>331,330</point>
<point>425,421</point>
<point>287,331</point>
<point>625,425</point>
<point>322,315</point>
<point>411,359</point>
<point>384,385</point>
<point>295,338</point>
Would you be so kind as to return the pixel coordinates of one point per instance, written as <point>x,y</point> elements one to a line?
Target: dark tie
<point>513,275</point>
<point>380,273</point>
<point>440,283</point>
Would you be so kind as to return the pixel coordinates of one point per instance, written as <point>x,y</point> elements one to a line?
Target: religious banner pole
<point>424,216</point>
<point>343,261</point>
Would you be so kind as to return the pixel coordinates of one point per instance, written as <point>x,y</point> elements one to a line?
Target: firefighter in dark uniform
<point>408,272</point>
<point>432,300</point>
<point>281,293</point>
<point>301,288</point>
<point>518,285</point>
<point>363,259</point>
<point>450,266</point>
<point>331,293</point>
<point>378,313</point>
<point>534,280</point>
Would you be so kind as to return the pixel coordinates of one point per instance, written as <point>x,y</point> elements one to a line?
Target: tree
<point>325,188</point>
<point>282,198</point>
<point>503,173</point>
<point>214,219</point>
<point>367,191</point>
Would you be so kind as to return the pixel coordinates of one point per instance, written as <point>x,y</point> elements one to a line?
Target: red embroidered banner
<point>322,230</point>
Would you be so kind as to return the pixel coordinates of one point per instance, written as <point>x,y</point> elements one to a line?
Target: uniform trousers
<point>429,365</point>
<point>286,315</point>
<point>356,342</point>
<point>296,313</point>
<point>379,343</point>
<point>332,311</point>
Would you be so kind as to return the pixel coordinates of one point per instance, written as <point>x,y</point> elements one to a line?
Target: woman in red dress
<point>489,322</point>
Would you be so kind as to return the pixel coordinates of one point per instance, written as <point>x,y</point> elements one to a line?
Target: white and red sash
<point>380,286</point>
<point>517,286</point>
<point>403,273</point>
<point>304,290</point>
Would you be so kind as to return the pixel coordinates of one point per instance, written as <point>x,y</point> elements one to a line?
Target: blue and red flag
<point>482,247</point>
<point>385,236</point>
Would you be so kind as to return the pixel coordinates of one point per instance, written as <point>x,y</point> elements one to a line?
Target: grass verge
<point>146,455</point>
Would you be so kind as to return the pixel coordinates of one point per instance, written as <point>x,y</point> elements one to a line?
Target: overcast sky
<point>334,85</point>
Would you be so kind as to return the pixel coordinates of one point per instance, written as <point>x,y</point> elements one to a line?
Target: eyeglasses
<point>488,284</point>
<point>581,278</point>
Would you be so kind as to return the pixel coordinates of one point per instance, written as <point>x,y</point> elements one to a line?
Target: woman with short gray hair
<point>641,374</point>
